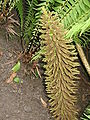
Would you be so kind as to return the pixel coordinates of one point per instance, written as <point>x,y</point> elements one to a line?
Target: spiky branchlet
<point>61,68</point>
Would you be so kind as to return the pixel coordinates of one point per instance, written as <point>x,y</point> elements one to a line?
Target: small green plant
<point>16,80</point>
<point>16,67</point>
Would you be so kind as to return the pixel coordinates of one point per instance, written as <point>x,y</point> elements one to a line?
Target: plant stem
<point>83,58</point>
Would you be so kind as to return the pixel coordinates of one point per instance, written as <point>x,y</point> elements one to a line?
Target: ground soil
<point>22,101</point>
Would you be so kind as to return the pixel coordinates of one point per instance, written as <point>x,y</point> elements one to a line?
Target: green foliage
<point>32,16</point>
<point>38,55</point>
<point>86,114</point>
<point>79,28</point>
<point>16,80</point>
<point>75,15</point>
<point>12,4</point>
<point>19,6</point>
<point>72,12</point>
<point>61,68</point>
<point>55,4</point>
<point>6,6</point>
<point>16,67</point>
<point>30,19</point>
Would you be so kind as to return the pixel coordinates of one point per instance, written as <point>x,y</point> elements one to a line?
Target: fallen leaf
<point>12,76</point>
<point>43,103</point>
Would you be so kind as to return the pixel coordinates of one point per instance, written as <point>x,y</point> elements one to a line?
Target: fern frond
<point>7,9</point>
<point>11,4</point>
<point>0,6</point>
<point>38,55</point>
<point>75,15</point>
<point>30,13</point>
<point>33,16</point>
<point>19,6</point>
<point>30,20</point>
<point>86,114</point>
<point>79,28</point>
<point>55,4</point>
<point>61,68</point>
<point>74,11</point>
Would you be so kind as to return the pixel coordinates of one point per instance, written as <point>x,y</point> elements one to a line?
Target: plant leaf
<point>16,80</point>
<point>16,67</point>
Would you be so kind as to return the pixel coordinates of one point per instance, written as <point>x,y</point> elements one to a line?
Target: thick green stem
<point>83,58</point>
